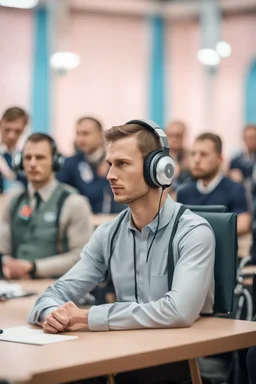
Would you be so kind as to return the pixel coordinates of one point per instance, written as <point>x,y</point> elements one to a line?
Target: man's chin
<point>197,175</point>
<point>35,180</point>
<point>119,199</point>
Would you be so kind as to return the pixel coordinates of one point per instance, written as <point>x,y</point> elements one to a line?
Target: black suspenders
<point>170,265</point>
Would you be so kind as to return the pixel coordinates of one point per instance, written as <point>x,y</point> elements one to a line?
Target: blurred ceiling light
<point>64,61</point>
<point>19,3</point>
<point>223,49</point>
<point>208,57</point>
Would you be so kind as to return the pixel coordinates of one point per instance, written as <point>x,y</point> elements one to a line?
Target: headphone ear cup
<point>57,162</point>
<point>164,170</point>
<point>151,181</point>
<point>17,162</point>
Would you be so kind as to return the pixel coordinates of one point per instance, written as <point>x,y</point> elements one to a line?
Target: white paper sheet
<point>29,335</point>
<point>7,288</point>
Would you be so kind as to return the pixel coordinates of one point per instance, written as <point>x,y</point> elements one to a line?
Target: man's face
<point>37,162</point>
<point>11,131</point>
<point>126,170</point>
<point>205,161</point>
<point>250,139</point>
<point>175,135</point>
<point>88,137</point>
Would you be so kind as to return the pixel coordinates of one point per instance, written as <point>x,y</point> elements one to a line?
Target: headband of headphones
<point>153,127</point>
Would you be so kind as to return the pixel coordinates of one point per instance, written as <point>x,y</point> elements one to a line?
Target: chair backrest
<point>224,226</point>
<point>207,208</point>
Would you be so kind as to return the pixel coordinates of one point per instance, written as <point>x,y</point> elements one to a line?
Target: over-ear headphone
<point>57,159</point>
<point>158,165</point>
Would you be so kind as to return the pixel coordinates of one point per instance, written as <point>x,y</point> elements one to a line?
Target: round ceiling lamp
<point>62,62</point>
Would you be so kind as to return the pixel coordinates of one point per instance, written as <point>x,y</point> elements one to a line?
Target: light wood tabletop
<point>98,353</point>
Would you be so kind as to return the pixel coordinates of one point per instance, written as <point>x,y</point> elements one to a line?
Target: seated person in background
<point>155,287</point>
<point>175,133</point>
<point>44,228</point>
<point>211,187</point>
<point>86,171</point>
<point>242,167</point>
<point>12,126</point>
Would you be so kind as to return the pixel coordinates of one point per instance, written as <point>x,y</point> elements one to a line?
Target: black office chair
<point>224,225</point>
<point>207,208</point>
<point>223,368</point>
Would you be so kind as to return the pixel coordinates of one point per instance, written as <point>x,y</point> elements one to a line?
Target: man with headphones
<point>159,254</point>
<point>43,228</point>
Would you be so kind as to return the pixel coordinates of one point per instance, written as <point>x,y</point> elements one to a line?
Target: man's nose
<point>197,158</point>
<point>32,162</point>
<point>111,175</point>
<point>12,135</point>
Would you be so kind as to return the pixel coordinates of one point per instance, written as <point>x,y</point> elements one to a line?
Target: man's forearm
<point>244,223</point>
<point>57,265</point>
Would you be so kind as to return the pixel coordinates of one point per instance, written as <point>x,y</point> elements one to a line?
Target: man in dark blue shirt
<point>86,171</point>
<point>243,166</point>
<point>210,187</point>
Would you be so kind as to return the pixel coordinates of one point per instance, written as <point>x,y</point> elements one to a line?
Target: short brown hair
<point>214,138</point>
<point>37,137</point>
<point>95,121</point>
<point>147,140</point>
<point>14,113</point>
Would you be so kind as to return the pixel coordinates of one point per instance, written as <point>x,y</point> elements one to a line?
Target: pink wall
<point>239,31</point>
<point>111,82</point>
<point>187,82</point>
<point>15,58</point>
<point>184,76</point>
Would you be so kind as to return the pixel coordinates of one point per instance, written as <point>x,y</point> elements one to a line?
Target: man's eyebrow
<point>117,159</point>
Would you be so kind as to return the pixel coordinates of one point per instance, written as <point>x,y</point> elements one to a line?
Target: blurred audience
<point>87,169</point>
<point>12,126</point>
<point>210,186</point>
<point>176,132</point>
<point>44,228</point>
<point>242,166</point>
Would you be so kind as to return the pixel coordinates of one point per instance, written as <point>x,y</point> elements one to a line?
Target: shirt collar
<point>165,216</point>
<point>44,192</point>
<point>4,149</point>
<point>96,157</point>
<point>211,186</point>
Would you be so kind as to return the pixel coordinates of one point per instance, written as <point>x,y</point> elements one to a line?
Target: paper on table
<point>6,288</point>
<point>29,335</point>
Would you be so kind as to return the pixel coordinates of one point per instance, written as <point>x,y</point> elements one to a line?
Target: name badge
<point>86,172</point>
<point>49,217</point>
<point>25,212</point>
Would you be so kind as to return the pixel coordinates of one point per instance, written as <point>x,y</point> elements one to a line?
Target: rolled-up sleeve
<point>181,306</point>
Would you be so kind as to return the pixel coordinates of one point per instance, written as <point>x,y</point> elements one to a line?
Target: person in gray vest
<point>45,227</point>
<point>159,254</point>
